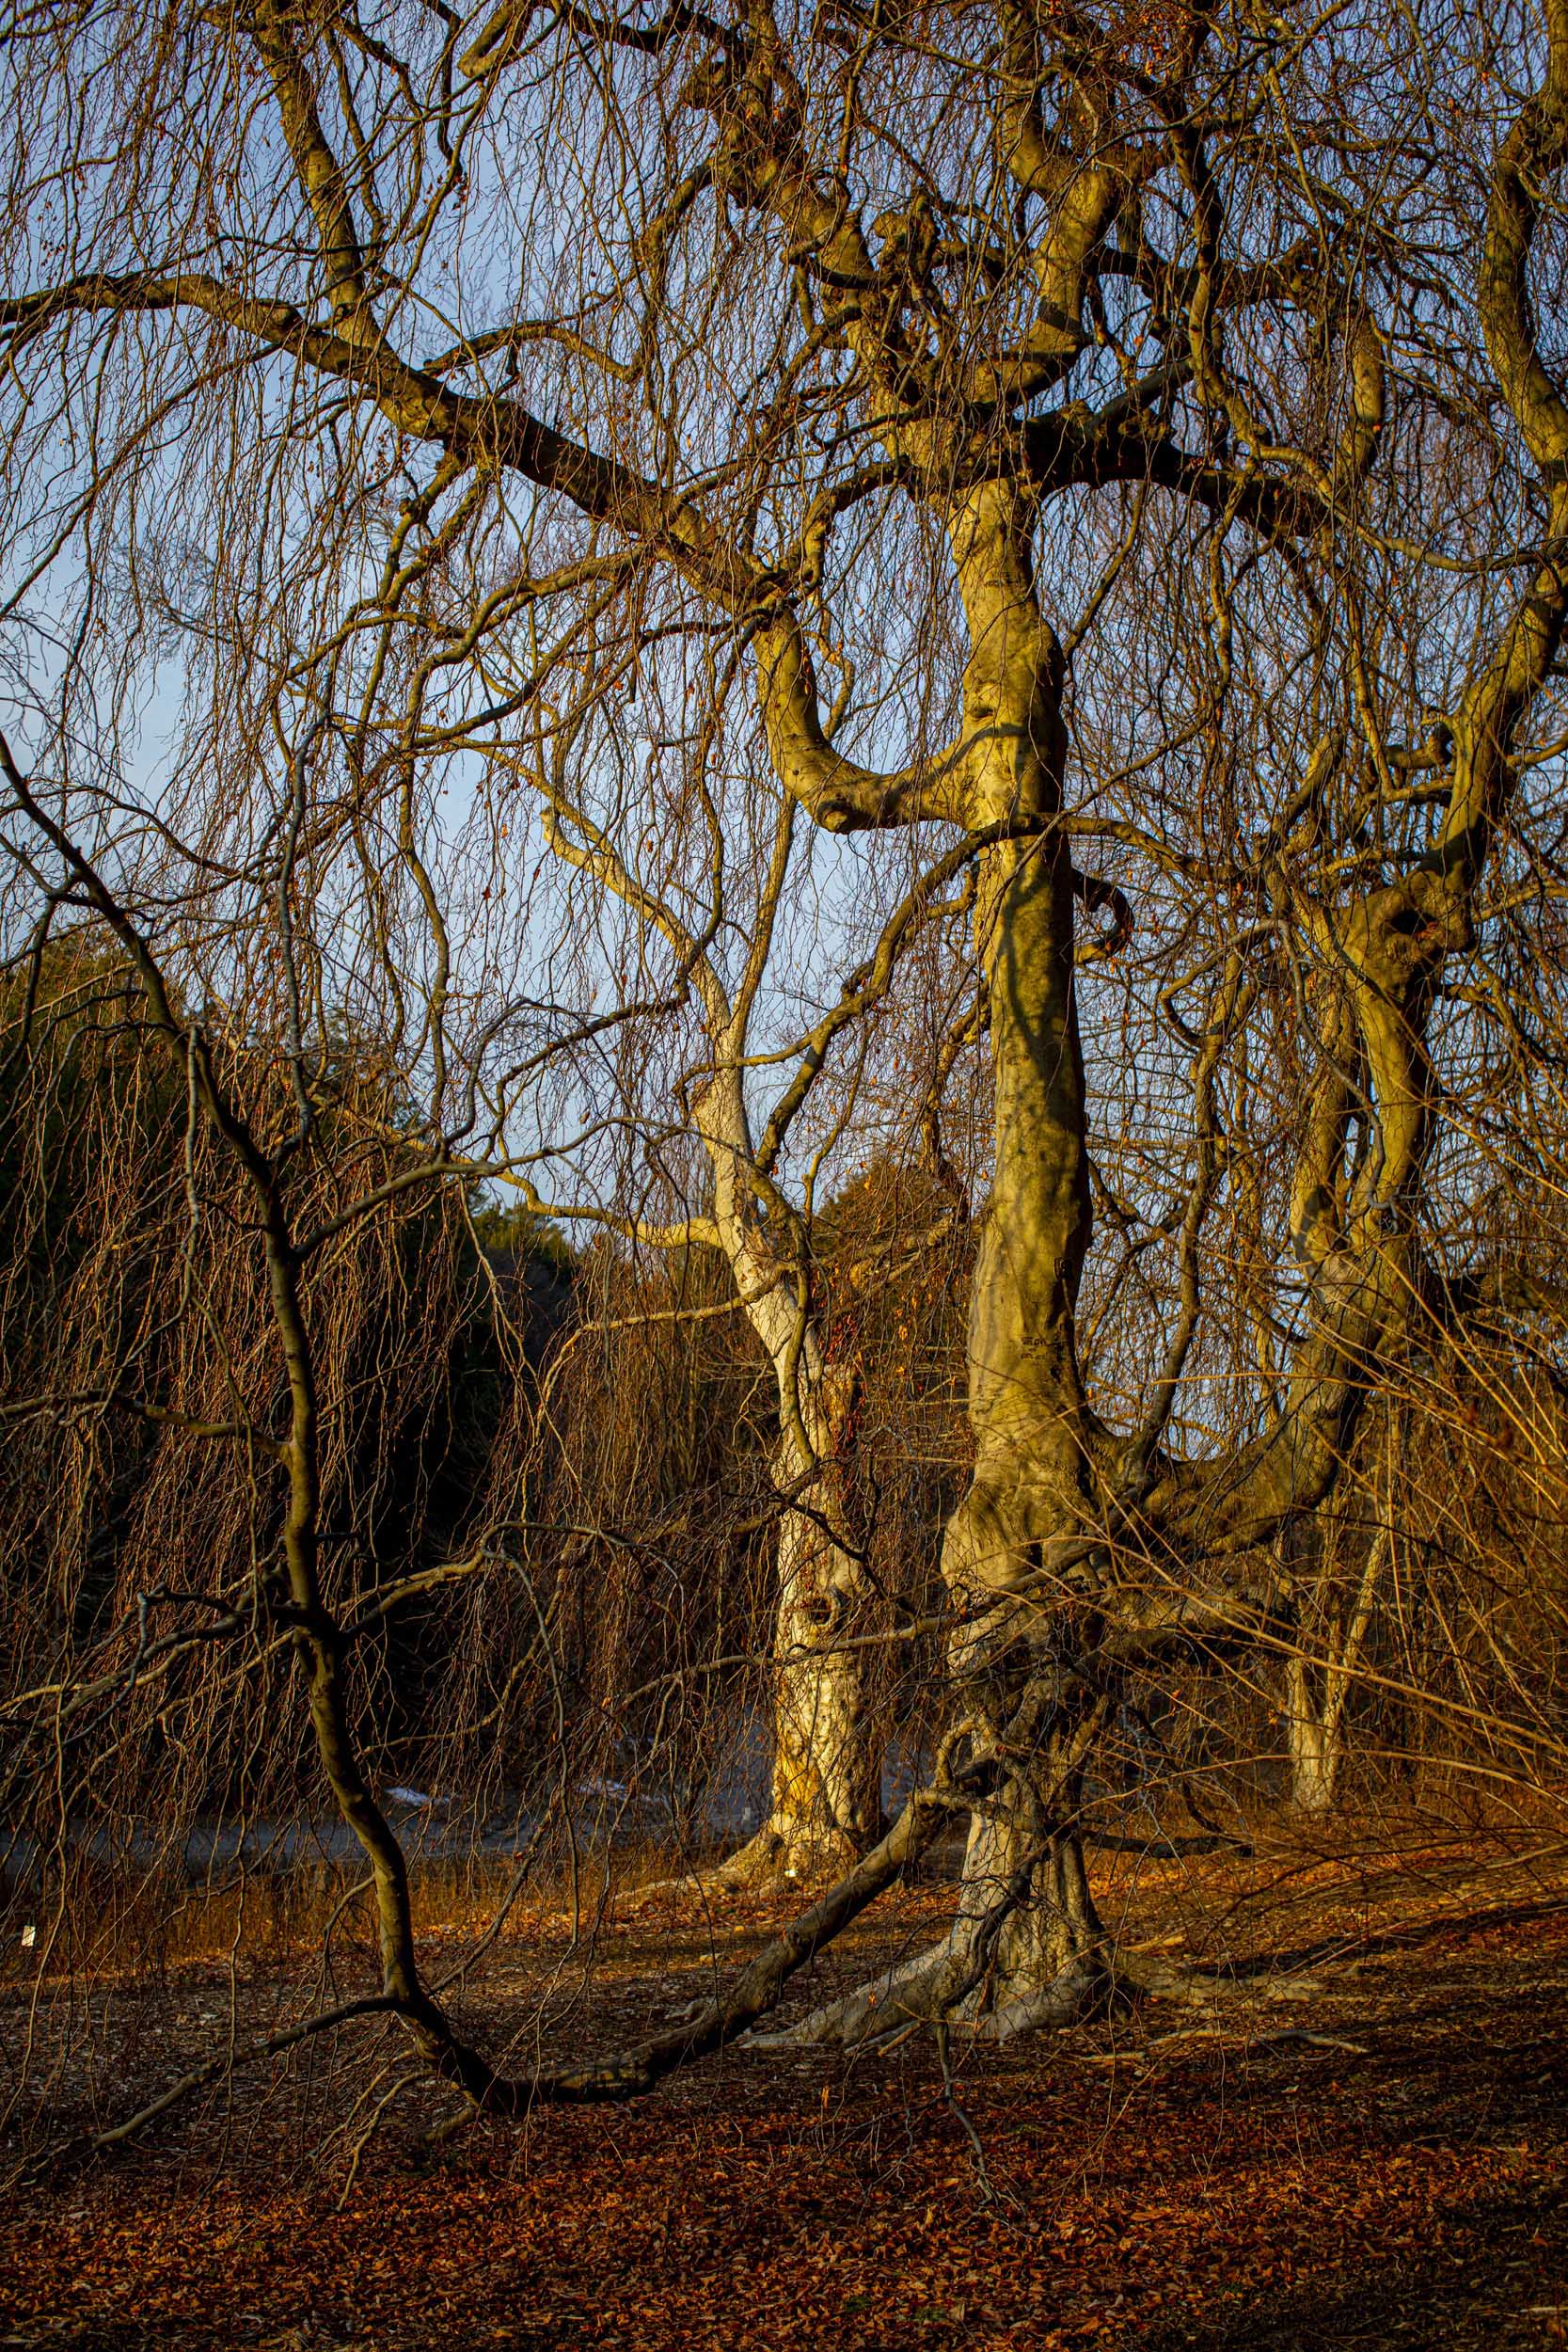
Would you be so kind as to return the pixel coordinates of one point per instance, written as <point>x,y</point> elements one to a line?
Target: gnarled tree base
<point>1026,1951</point>
<point>780,1852</point>
<point>781,1856</point>
<point>943,1987</point>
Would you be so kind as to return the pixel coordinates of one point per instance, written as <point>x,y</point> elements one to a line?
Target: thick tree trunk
<point>1049,1965</point>
<point>1026,1945</point>
<point>1025,1903</point>
<point>1028,1501</point>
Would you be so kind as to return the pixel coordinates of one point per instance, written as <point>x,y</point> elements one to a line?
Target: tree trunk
<point>1025,1943</point>
<point>825,1808</point>
<point>825,1805</point>
<point>1026,1947</point>
<point>1318,1688</point>
<point>1029,1498</point>
<point>1314,1744</point>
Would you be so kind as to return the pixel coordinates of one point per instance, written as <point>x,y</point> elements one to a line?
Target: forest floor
<point>1380,2161</point>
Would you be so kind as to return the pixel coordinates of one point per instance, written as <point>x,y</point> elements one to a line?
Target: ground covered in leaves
<point>1378,2159</point>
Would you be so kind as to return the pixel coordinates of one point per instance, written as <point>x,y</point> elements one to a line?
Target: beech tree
<point>825,1801</point>
<point>1112,460</point>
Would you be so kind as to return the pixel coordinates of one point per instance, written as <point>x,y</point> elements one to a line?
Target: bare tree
<point>825,1778</point>
<point>1147,420</point>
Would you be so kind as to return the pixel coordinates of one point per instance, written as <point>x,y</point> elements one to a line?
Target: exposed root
<point>919,1992</point>
<point>1153,2053</point>
<point>1290,2038</point>
<point>1209,1987</point>
<point>890,2008</point>
<point>955,1986</point>
<point>1025,1949</point>
<point>948,1987</point>
<point>1080,1992</point>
